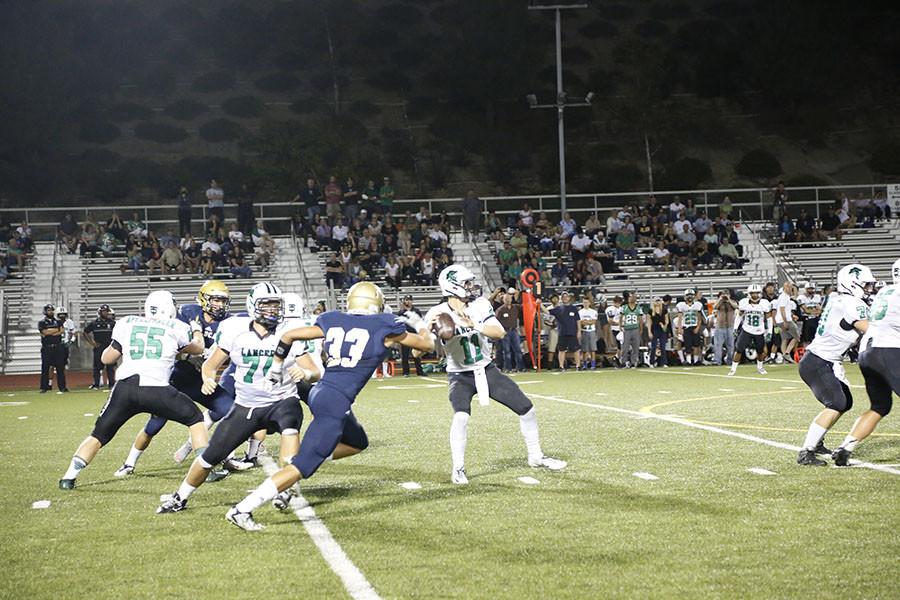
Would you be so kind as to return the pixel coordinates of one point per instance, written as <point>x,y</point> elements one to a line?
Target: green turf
<point>706,528</point>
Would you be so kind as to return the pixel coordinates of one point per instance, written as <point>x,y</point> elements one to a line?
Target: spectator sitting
<point>786,229</point>
<point>213,247</point>
<point>136,226</point>
<point>712,240</point>
<point>16,250</point>
<point>685,234</point>
<point>172,259</point>
<point>592,225</point>
<point>333,195</point>
<point>702,254</point>
<point>702,224</point>
<point>567,229</point>
<point>526,217</point>
<point>236,237</point>
<point>675,208</point>
<point>732,236</point>
<point>831,223</point>
<point>68,233</point>
<point>882,208</point>
<point>191,255</point>
<point>392,271</point>
<point>334,273</point>
<point>514,271</point>
<point>427,269</point>
<point>134,260</point>
<point>492,224</point>
<point>90,240</point>
<point>580,244</point>
<point>169,236</point>
<point>806,230</point>
<point>645,231</point>
<point>680,223</point>
<point>681,253</point>
<point>559,273</point>
<point>152,256</point>
<point>26,236</point>
<point>437,235</point>
<point>208,260</point>
<point>107,241</point>
<point>339,234</point>
<point>729,254</point>
<point>625,245</point>
<point>594,271</point>
<point>661,255</point>
<point>237,265</point>
<point>444,250</point>
<point>323,233</point>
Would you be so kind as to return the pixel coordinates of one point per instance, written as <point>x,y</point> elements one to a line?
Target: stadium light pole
<point>561,98</point>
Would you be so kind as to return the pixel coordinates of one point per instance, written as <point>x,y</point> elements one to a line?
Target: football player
<point>147,346</point>
<point>250,342</point>
<point>355,344</point>
<point>689,326</point>
<point>845,317</point>
<point>213,301</point>
<point>470,370</point>
<point>878,360</point>
<point>753,325</point>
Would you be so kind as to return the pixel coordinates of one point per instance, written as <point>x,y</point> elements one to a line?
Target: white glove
<point>273,377</point>
<point>196,326</point>
<point>209,386</point>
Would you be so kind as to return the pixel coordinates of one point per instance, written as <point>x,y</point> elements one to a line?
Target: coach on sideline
<point>53,353</point>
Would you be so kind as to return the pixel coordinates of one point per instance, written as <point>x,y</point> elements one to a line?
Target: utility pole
<point>561,98</point>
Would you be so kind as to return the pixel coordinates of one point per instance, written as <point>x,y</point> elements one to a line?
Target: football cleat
<point>731,372</point>
<point>761,370</point>
<point>243,520</point>
<point>841,457</point>
<point>253,460</point>
<point>283,500</point>
<point>234,464</point>
<point>124,471</point>
<point>171,505</point>
<point>809,458</point>
<point>459,476</point>
<point>821,449</point>
<point>67,484</point>
<point>216,475</point>
<point>182,453</point>
<point>554,464</point>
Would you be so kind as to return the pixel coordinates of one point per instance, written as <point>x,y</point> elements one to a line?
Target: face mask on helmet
<point>268,312</point>
<point>217,306</point>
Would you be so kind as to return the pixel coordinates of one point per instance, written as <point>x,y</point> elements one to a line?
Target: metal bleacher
<point>875,247</point>
<point>104,283</point>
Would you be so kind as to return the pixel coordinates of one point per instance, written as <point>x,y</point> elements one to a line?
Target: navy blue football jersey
<point>354,347</point>
<point>190,312</point>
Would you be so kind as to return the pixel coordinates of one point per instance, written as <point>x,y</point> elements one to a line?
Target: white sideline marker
<point>726,389</point>
<point>10,395</point>
<point>13,403</point>
<point>22,418</point>
<point>413,401</point>
<point>528,480</point>
<point>663,392</point>
<point>645,476</point>
<point>89,414</point>
<point>356,584</point>
<point>40,504</point>
<point>411,485</point>
<point>761,471</point>
<point>788,387</point>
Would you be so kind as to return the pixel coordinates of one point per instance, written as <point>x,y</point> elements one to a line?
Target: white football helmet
<point>459,282</point>
<point>895,272</point>
<point>265,304</point>
<point>754,290</point>
<point>689,293</point>
<point>160,305</point>
<point>293,305</point>
<point>857,280</point>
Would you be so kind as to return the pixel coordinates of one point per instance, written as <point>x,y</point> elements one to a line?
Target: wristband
<point>283,348</point>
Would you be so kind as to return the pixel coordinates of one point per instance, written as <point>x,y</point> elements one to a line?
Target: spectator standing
<point>784,320</point>
<point>98,334</point>
<point>310,196</point>
<point>215,198</point>
<point>725,208</point>
<point>659,334</point>
<point>569,340</point>
<point>351,200</point>
<point>333,196</point>
<point>69,233</point>
<point>471,210</point>
<point>386,196</point>
<point>52,350</point>
<point>369,197</point>
<point>779,202</point>
<point>810,304</point>
<point>183,201</point>
<point>723,336</point>
<point>408,310</point>
<point>510,315</point>
<point>587,321</point>
<point>245,214</point>
<point>632,331</point>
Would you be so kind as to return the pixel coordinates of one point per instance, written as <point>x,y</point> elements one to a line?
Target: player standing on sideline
<point>355,343</point>
<point>250,342</point>
<point>689,326</point>
<point>52,352</point>
<point>587,320</point>
<point>98,333</point>
<point>470,371</point>
<point>632,331</point>
<point>878,361</point>
<point>147,346</point>
<point>212,308</point>
<point>753,323</point>
<point>69,333</point>
<point>844,319</point>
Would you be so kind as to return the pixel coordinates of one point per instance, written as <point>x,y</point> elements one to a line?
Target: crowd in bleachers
<point>845,213</point>
<point>675,236</point>
<point>16,245</point>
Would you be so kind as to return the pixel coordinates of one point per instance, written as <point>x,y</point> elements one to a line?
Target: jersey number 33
<point>355,340</point>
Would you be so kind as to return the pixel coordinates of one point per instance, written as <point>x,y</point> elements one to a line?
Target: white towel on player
<point>481,385</point>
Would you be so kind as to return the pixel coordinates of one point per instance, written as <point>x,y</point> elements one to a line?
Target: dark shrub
<point>159,132</point>
<point>220,130</point>
<point>310,104</point>
<point>364,108</point>
<point>758,164</point>
<point>246,107</point>
<point>186,110</point>
<point>277,82</point>
<point>128,111</point>
<point>685,174</point>
<point>215,81</point>
<point>886,158</point>
<point>98,132</point>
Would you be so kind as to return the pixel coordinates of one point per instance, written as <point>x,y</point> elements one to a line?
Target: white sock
<point>681,355</point>
<point>734,365</point>
<point>759,364</point>
<point>253,447</point>
<point>458,437</point>
<point>185,490</point>
<point>529,426</point>
<point>133,456</point>
<point>266,491</point>
<point>814,436</point>
<point>207,420</point>
<point>849,443</point>
<point>75,467</point>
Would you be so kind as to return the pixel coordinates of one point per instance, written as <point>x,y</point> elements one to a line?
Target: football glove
<point>273,377</point>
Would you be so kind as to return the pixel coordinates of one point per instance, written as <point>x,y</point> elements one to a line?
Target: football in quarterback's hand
<point>443,326</point>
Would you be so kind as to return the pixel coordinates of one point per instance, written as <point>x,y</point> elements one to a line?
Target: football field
<point>681,483</point>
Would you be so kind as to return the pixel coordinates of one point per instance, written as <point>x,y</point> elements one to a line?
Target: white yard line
<point>761,378</point>
<point>680,421</point>
<point>354,581</point>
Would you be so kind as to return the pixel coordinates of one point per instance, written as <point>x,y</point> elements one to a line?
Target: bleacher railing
<point>304,280</point>
<point>754,203</point>
<point>3,329</point>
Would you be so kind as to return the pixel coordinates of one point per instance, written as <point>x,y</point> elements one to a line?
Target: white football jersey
<point>149,347</point>
<point>753,316</point>
<point>467,349</point>
<point>884,325</point>
<point>690,313</point>
<point>814,300</point>
<point>612,313</point>
<point>832,340</point>
<point>252,358</point>
<point>588,314</point>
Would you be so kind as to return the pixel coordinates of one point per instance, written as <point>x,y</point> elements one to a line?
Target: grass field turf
<point>707,527</point>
